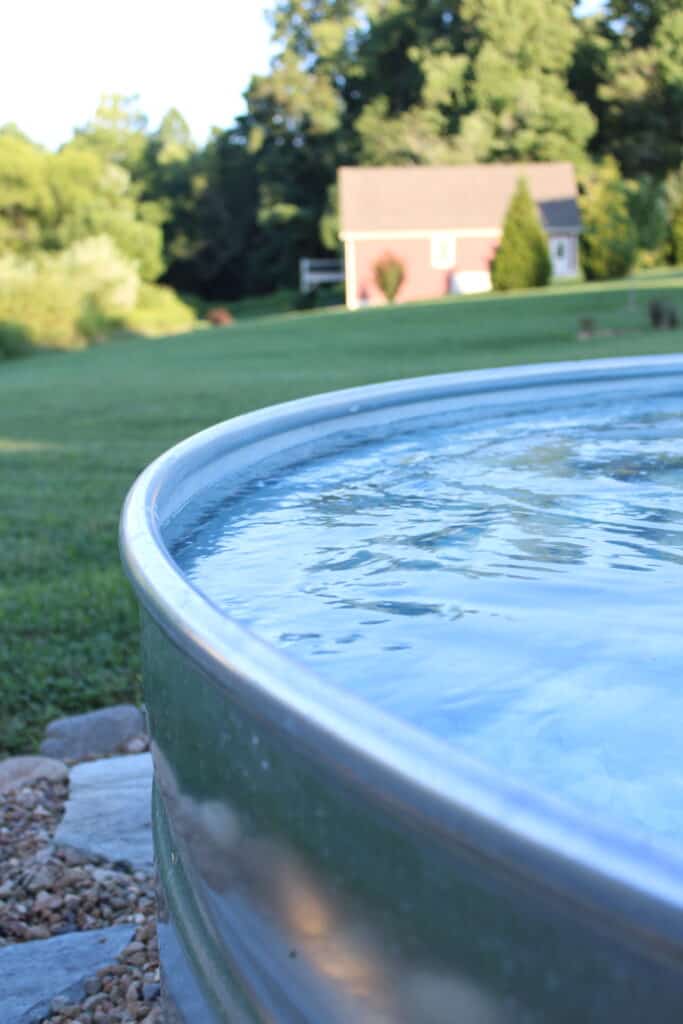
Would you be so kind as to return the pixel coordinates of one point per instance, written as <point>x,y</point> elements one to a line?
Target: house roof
<point>468,196</point>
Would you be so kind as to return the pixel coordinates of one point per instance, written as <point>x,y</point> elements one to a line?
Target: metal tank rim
<point>629,887</point>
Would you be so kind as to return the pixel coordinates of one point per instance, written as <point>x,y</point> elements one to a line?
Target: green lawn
<point>76,429</point>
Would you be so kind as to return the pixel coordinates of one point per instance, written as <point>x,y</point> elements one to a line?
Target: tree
<point>522,107</point>
<point>673,189</point>
<point>26,203</point>
<point>676,235</point>
<point>171,144</point>
<point>329,221</point>
<point>522,259</point>
<point>609,239</point>
<point>642,91</point>
<point>92,197</point>
<point>488,82</point>
<point>648,209</point>
<point>639,19</point>
<point>210,234</point>
<point>408,92</point>
<point>296,131</point>
<point>116,132</point>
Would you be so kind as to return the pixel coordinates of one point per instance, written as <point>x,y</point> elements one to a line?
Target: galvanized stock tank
<point>322,862</point>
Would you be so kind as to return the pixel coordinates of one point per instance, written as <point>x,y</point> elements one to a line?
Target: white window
<point>443,251</point>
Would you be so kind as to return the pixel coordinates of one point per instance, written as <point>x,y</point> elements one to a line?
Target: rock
<point>132,992</point>
<point>16,772</point>
<point>109,812</point>
<point>42,877</point>
<point>26,994</point>
<point>137,745</point>
<point>95,734</point>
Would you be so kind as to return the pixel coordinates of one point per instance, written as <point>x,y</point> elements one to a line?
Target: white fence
<point>315,272</point>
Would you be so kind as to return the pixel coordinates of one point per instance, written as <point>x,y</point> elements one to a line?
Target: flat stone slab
<point>93,734</point>
<point>16,772</point>
<point>32,974</point>
<point>109,810</point>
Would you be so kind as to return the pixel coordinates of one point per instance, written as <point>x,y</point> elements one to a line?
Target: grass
<point>76,429</point>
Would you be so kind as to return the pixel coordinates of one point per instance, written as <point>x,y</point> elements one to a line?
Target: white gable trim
<point>379,236</point>
<point>412,233</point>
<point>350,274</point>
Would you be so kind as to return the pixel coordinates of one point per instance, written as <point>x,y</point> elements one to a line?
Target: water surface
<point>508,582</point>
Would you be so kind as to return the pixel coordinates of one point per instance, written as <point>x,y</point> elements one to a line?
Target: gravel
<point>49,890</point>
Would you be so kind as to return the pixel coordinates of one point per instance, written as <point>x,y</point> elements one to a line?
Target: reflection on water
<point>509,584</point>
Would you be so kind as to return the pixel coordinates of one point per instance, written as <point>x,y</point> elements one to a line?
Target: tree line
<point>369,82</point>
<point>436,81</point>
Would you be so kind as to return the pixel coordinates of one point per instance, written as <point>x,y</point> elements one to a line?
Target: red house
<point>445,223</point>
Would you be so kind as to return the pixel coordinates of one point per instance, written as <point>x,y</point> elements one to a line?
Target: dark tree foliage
<point>629,68</point>
<point>639,19</point>
<point>211,233</point>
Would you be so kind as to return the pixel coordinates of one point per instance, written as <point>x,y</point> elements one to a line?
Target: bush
<point>305,300</point>
<point>320,297</point>
<point>329,295</point>
<point>69,298</point>
<point>159,311</point>
<point>282,301</point>
<point>14,341</point>
<point>389,274</point>
<point>522,259</point>
<point>104,274</point>
<point>39,296</point>
<point>676,234</point>
<point>609,240</point>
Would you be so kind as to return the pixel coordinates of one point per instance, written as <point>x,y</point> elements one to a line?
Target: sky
<point>60,56</point>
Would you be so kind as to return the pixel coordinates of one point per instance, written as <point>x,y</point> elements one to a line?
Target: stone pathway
<point>109,810</point>
<point>33,975</point>
<point>107,820</point>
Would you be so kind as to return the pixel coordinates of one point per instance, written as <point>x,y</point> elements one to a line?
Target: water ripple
<point>510,584</point>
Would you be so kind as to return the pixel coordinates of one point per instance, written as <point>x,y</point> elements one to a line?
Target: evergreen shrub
<point>389,275</point>
<point>609,239</point>
<point>522,259</point>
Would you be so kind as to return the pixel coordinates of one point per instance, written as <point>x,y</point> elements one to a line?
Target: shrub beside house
<point>522,259</point>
